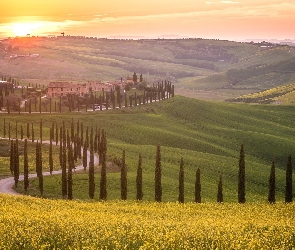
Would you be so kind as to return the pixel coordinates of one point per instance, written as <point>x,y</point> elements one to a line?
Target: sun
<point>23,29</point>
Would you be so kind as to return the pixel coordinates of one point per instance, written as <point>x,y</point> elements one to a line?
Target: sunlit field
<point>31,223</point>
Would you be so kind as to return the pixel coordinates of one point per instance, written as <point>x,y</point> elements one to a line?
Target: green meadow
<point>208,135</point>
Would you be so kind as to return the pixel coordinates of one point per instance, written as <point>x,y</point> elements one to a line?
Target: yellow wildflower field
<point>34,223</point>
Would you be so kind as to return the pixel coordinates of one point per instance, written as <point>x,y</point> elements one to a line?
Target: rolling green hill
<point>284,94</point>
<point>224,69</point>
<point>207,134</point>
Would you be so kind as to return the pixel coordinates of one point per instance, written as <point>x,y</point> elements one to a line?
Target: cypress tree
<point>12,158</point>
<point>91,176</point>
<point>26,166</point>
<point>16,163</point>
<point>87,138</point>
<point>91,139</point>
<point>72,130</point>
<point>70,177</point>
<point>50,157</point>
<point>82,132</point>
<point>41,134</point>
<point>158,176</point>
<point>220,190</point>
<point>40,100</point>
<point>272,184</point>
<point>60,148</point>
<point>139,193</point>
<point>103,173</point>
<point>198,186</point>
<point>75,144</point>
<point>123,178</point>
<point>38,159</point>
<point>16,129</point>
<point>85,156</point>
<point>21,132</point>
<point>41,184</point>
<point>289,191</point>
<point>56,134</point>
<point>241,178</point>
<point>28,130</point>
<point>4,129</point>
<point>64,166</point>
<point>9,131</point>
<point>52,132</point>
<point>33,135</point>
<point>181,182</point>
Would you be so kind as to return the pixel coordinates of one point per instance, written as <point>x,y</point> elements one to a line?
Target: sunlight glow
<point>23,29</point>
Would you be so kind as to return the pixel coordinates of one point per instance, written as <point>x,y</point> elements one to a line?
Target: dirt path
<point>7,184</point>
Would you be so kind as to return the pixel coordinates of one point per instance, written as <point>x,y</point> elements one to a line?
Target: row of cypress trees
<point>70,150</point>
<point>70,143</point>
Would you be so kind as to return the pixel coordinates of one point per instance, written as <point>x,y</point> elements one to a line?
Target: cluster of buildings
<point>58,89</point>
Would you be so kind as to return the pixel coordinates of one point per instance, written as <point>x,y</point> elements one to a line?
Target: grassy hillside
<point>284,94</point>
<point>226,67</point>
<point>208,135</point>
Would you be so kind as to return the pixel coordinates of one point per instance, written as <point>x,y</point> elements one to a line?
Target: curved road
<point>7,184</point>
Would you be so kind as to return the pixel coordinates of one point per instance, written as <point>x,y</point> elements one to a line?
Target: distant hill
<point>284,94</point>
<point>196,66</point>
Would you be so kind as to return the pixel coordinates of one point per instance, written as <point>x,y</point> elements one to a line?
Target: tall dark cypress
<point>158,176</point>
<point>41,184</point>
<point>220,190</point>
<point>33,135</point>
<point>181,182</point>
<point>21,132</point>
<point>289,190</point>
<point>198,186</point>
<point>91,139</point>
<point>56,134</point>
<point>64,163</point>
<point>16,129</point>
<point>85,156</point>
<point>241,178</point>
<point>4,128</point>
<point>12,158</point>
<point>50,157</point>
<point>123,178</point>
<point>87,137</point>
<point>41,130</point>
<point>272,184</point>
<point>39,166</point>
<point>9,131</point>
<point>60,148</point>
<point>26,166</point>
<point>37,159</point>
<point>28,130</point>
<point>91,176</point>
<point>103,174</point>
<point>139,193</point>
<point>16,163</point>
<point>70,169</point>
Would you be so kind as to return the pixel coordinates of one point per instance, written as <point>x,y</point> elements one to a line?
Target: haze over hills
<point>202,68</point>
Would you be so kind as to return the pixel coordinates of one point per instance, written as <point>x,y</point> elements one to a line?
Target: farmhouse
<point>58,89</point>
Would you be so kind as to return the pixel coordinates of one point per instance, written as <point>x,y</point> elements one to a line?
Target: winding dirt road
<point>7,184</point>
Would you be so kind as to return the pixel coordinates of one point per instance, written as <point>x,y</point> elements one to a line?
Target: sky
<point>213,19</point>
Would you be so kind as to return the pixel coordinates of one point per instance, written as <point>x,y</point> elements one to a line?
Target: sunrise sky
<point>227,19</point>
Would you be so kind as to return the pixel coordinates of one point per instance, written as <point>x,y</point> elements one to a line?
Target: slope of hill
<point>280,95</point>
<point>208,135</point>
<point>221,67</point>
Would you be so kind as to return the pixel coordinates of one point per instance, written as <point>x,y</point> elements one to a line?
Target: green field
<point>206,134</point>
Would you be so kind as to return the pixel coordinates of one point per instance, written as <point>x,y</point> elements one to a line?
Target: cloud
<point>223,2</point>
